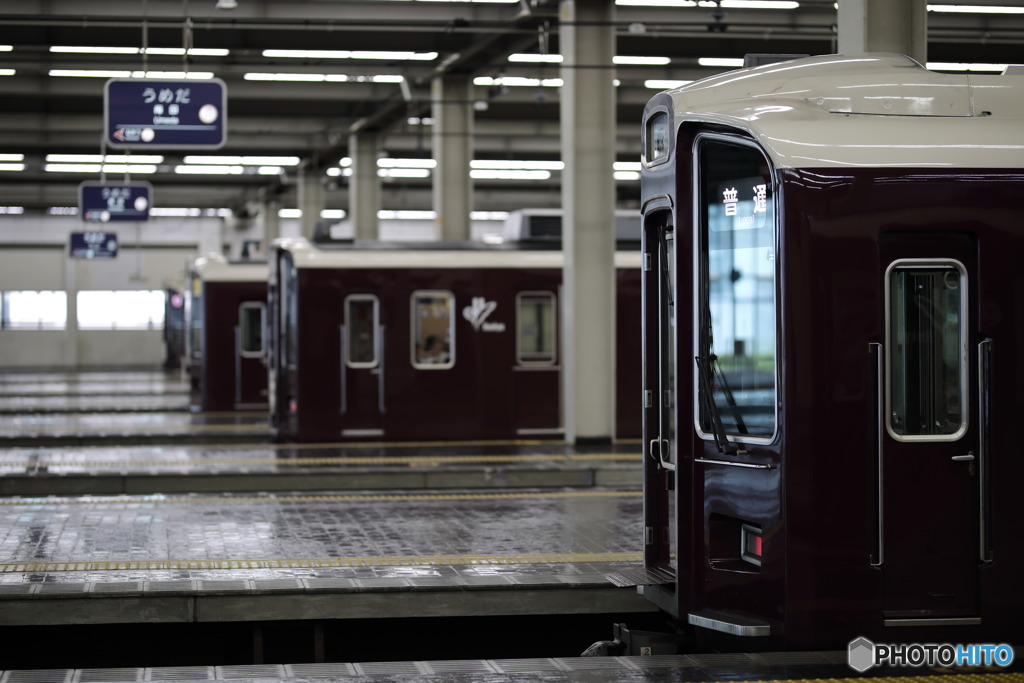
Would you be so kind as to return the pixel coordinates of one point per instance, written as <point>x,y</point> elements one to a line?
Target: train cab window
<point>926,338</point>
<point>252,319</point>
<point>735,373</point>
<point>362,321</point>
<point>433,330</point>
<point>535,328</point>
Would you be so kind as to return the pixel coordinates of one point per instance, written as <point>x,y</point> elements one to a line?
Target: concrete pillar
<point>587,39</point>
<point>271,220</point>
<point>452,134</point>
<point>884,26</point>
<point>71,322</point>
<point>312,199</point>
<point>364,186</point>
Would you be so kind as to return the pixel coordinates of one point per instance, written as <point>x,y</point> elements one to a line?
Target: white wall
<point>34,256</point>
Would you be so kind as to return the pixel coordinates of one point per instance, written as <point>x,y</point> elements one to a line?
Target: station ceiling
<point>516,103</point>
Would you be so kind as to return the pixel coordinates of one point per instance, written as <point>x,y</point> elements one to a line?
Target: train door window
<point>433,330</point>
<point>535,328</point>
<point>362,322</point>
<point>735,309</point>
<point>927,342</point>
<point>252,320</point>
<point>195,317</point>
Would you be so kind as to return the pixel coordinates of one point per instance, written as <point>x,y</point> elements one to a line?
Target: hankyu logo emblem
<point>476,313</point>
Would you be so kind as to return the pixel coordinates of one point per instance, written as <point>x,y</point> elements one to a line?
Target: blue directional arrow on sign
<point>151,113</point>
<point>100,202</point>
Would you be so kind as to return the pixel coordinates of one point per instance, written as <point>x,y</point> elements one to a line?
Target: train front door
<point>250,356</point>
<point>931,434</point>
<point>362,367</point>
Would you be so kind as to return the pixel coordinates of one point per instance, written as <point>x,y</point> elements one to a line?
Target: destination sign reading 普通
<point>100,202</point>
<point>150,113</point>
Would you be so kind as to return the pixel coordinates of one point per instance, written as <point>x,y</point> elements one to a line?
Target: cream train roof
<point>872,110</point>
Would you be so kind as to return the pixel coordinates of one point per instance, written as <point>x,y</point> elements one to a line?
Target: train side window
<point>362,322</point>
<point>433,330</point>
<point>535,328</point>
<point>735,315</point>
<point>252,321</point>
<point>926,338</point>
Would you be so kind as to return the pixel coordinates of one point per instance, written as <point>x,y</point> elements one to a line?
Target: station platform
<point>781,667</point>
<point>194,558</point>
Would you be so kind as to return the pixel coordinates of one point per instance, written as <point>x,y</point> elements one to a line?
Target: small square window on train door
<point>252,322</point>
<point>536,334</point>
<point>433,330</point>
<point>362,325</point>
<point>926,335</point>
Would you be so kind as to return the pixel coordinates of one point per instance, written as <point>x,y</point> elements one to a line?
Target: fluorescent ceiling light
<point>351,54</point>
<point>332,213</point>
<point>626,166</point>
<point>241,160</point>
<point>656,84</point>
<point>111,50</point>
<point>403,172</point>
<point>508,165</point>
<point>388,162</point>
<point>721,61</point>
<point>269,170</point>
<point>12,167</point>
<point>12,157</point>
<point>175,211</point>
<point>667,3</point>
<point>509,175</point>
<point>535,58</point>
<point>294,77</point>
<point>12,210</point>
<point>290,213</point>
<point>627,175</point>
<point>976,9</point>
<point>111,73</point>
<point>517,81</point>
<point>62,211</point>
<point>7,72</point>
<point>6,48</point>
<point>759,4</point>
<point>488,215</point>
<point>109,158</point>
<point>645,61</point>
<point>100,168</point>
<point>955,66</point>
<point>200,169</point>
<point>420,121</point>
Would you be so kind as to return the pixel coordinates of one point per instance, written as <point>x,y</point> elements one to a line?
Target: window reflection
<point>926,350</point>
<point>433,330</point>
<point>736,315</point>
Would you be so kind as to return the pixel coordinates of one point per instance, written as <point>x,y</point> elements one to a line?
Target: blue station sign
<point>93,245</point>
<point>150,113</point>
<point>100,202</point>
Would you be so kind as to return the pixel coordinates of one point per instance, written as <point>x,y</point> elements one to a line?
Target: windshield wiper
<point>718,428</point>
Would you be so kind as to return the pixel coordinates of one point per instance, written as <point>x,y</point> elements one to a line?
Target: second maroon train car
<point>431,342</point>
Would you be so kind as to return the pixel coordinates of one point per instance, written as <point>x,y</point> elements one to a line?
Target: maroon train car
<point>832,346</point>
<point>428,342</point>
<point>226,313</point>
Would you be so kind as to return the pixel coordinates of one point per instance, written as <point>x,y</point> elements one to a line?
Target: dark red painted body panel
<point>217,371</point>
<point>485,395</point>
<point>819,584</point>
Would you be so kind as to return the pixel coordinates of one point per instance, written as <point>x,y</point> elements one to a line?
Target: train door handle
<point>963,458</point>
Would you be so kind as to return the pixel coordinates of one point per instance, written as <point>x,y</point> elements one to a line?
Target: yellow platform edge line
<point>316,563</point>
<point>318,498</point>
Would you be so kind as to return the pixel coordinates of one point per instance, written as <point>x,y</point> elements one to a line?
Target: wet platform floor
<point>223,558</point>
<point>787,666</point>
